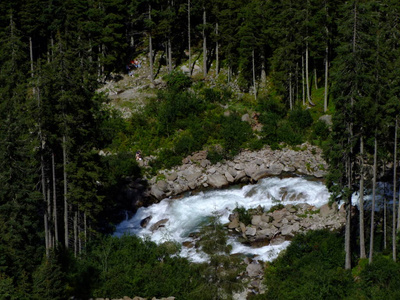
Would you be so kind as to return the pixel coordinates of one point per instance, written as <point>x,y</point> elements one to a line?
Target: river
<point>187,214</point>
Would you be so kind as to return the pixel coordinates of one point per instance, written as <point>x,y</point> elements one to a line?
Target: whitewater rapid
<point>188,214</point>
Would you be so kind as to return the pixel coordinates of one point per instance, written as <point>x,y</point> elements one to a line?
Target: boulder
<point>157,193</point>
<point>255,220</point>
<point>239,176</point>
<point>257,175</point>
<point>251,231</point>
<point>145,222</point>
<point>172,176</point>
<point>254,270</point>
<point>192,176</point>
<point>277,240</point>
<point>290,230</point>
<point>217,180</point>
<point>158,224</point>
<point>229,177</point>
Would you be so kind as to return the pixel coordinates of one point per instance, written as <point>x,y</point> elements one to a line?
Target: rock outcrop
<point>197,172</point>
<point>282,224</point>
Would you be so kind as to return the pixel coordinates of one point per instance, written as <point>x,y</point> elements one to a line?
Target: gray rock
<point>229,177</point>
<point>254,270</point>
<point>327,119</point>
<point>172,176</point>
<point>255,220</point>
<point>158,224</point>
<point>192,176</point>
<point>246,118</point>
<point>157,193</point>
<point>217,180</point>
<point>277,240</point>
<point>239,176</point>
<point>251,231</point>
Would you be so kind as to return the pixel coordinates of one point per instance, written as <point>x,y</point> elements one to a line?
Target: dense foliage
<point>312,268</point>
<point>284,64</point>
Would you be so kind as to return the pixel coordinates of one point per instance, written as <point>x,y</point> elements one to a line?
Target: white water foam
<point>188,214</point>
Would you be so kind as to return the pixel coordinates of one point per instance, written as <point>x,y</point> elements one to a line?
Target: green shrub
<point>268,104</point>
<point>380,280</point>
<point>234,132</point>
<point>320,130</point>
<point>270,124</point>
<point>287,134</point>
<point>300,118</point>
<point>166,158</point>
<point>215,154</point>
<point>276,207</point>
<point>244,215</point>
<point>310,268</point>
<point>178,81</point>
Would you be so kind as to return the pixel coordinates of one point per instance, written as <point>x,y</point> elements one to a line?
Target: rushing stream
<point>187,214</point>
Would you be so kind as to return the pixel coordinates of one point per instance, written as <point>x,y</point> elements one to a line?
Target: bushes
<point>311,268</point>
<point>234,132</point>
<point>131,266</point>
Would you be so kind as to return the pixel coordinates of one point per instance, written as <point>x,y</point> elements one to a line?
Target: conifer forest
<point>288,63</point>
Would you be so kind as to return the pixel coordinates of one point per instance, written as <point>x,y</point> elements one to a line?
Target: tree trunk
<point>45,200</point>
<point>254,76</point>
<point>54,198</point>
<point>361,204</point>
<point>394,231</point>
<point>347,238</point>
<point>64,148</point>
<point>190,54</point>
<point>31,54</point>
<point>204,43</point>
<point>384,223</point>
<point>290,92</point>
<point>151,50</point>
<point>169,55</point>
<point>307,79</point>
<point>326,78</point>
<point>76,233</point>
<point>303,81</point>
<point>263,71</point>
<point>315,79</point>
<point>85,227</point>
<point>371,240</point>
<point>217,50</point>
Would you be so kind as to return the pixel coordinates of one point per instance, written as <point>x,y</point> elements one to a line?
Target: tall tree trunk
<point>263,71</point>
<point>190,53</point>
<point>45,200</point>
<point>76,233</point>
<point>384,223</point>
<point>361,204</point>
<point>151,50</point>
<point>85,227</point>
<point>31,54</point>
<point>169,55</point>
<point>394,231</point>
<point>290,92</point>
<point>53,167</point>
<point>303,80</point>
<point>315,78</point>
<point>217,50</point>
<point>254,76</point>
<point>204,43</point>
<point>326,78</point>
<point>347,238</point>
<point>64,148</point>
<point>50,238</point>
<point>307,79</point>
<point>371,239</point>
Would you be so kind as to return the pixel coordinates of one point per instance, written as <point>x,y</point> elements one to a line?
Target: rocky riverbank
<point>197,172</point>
